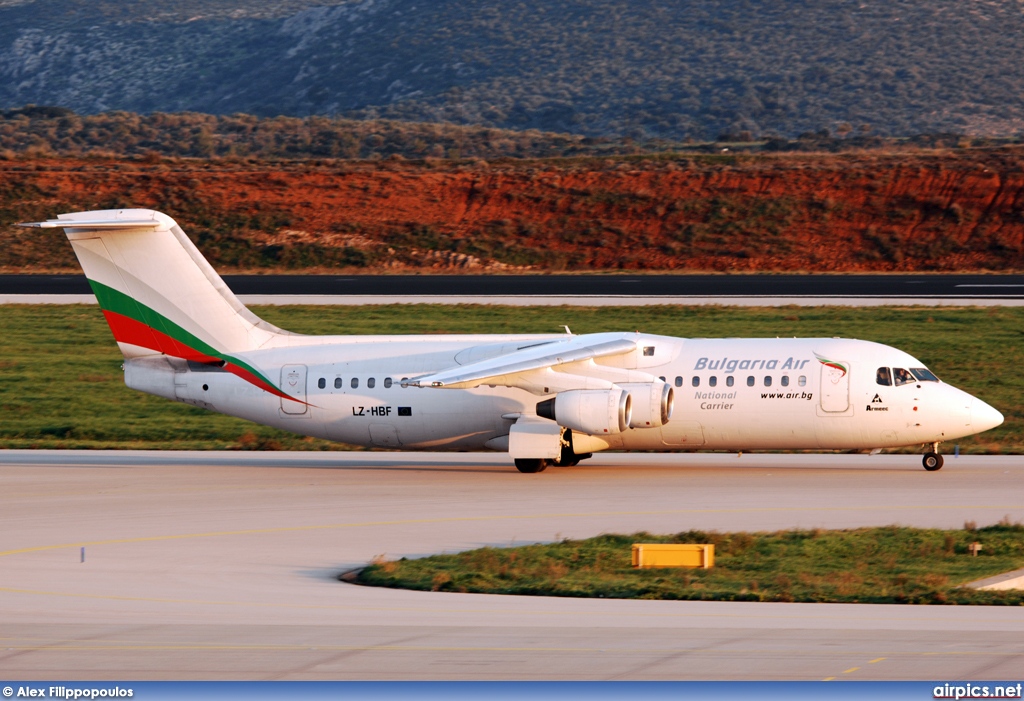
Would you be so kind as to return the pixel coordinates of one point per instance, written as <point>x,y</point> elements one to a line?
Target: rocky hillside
<point>910,211</point>
<point>638,68</point>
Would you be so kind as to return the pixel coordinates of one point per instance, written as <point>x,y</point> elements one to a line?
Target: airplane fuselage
<point>542,399</point>
<point>733,394</point>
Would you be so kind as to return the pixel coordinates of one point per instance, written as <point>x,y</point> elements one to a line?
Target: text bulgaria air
<point>731,365</point>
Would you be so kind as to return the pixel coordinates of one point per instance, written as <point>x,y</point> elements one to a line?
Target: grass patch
<point>61,384</point>
<point>866,565</point>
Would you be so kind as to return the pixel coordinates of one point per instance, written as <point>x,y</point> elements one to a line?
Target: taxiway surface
<point>585,290</point>
<point>895,286</point>
<point>225,565</point>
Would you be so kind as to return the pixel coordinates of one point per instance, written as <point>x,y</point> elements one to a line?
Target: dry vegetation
<point>40,130</point>
<point>884,210</point>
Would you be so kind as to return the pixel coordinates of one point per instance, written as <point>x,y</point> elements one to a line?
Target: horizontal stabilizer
<point>157,292</point>
<point>104,224</point>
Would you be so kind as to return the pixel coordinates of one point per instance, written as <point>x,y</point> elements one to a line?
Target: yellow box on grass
<point>675,555</point>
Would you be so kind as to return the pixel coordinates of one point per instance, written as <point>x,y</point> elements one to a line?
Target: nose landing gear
<point>932,460</point>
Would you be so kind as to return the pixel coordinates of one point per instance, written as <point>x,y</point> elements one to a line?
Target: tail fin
<point>157,292</point>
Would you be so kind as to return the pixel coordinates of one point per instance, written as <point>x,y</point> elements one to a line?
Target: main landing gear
<point>932,461</point>
<point>568,458</point>
<point>531,465</point>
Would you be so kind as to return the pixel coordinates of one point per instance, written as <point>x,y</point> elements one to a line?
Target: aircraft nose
<point>983,416</point>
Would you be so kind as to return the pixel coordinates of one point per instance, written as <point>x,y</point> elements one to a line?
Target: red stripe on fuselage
<point>128,330</point>
<point>254,380</point>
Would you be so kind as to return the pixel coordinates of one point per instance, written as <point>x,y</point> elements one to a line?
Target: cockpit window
<point>883,377</point>
<point>924,375</point>
<point>902,376</point>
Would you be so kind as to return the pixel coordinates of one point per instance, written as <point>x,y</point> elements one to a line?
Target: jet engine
<point>652,403</point>
<point>594,411</point>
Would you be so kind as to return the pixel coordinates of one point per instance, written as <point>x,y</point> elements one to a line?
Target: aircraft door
<point>835,386</point>
<point>293,383</point>
<point>683,433</point>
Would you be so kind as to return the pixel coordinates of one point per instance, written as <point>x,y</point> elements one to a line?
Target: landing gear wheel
<point>932,462</point>
<point>531,465</point>
<point>568,457</point>
<point>574,460</point>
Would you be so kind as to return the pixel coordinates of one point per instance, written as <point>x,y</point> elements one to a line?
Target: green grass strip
<point>61,384</point>
<point>866,565</point>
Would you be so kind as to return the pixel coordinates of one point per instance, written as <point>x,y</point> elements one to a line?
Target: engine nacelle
<point>597,412</point>
<point>652,403</point>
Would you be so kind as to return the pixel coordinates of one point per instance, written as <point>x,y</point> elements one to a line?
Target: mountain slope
<point>639,68</point>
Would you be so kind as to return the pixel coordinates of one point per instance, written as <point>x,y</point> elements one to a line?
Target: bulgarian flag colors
<point>832,364</point>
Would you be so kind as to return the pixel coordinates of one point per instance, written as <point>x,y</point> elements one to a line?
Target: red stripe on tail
<point>128,330</point>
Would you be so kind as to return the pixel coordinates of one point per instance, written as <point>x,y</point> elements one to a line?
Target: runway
<point>224,566</point>
<point>585,290</point>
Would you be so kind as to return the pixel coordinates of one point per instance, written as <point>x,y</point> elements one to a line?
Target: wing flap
<point>550,355</point>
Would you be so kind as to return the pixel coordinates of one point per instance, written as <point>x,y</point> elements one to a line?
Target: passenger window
<point>924,375</point>
<point>883,377</point>
<point>355,383</point>
<point>372,382</point>
<point>902,377</point>
<point>322,382</point>
<point>729,381</point>
<point>695,382</point>
<point>337,383</point>
<point>750,381</point>
<point>784,381</point>
<point>679,382</point>
<point>648,351</point>
<point>767,380</point>
<point>712,381</point>
<point>387,383</point>
<point>802,380</point>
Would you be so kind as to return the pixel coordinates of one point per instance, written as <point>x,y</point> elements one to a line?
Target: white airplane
<point>544,399</point>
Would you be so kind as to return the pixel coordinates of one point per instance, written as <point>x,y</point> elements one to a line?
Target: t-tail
<point>158,293</point>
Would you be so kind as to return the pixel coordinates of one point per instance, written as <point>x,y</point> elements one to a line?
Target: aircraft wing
<point>548,355</point>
